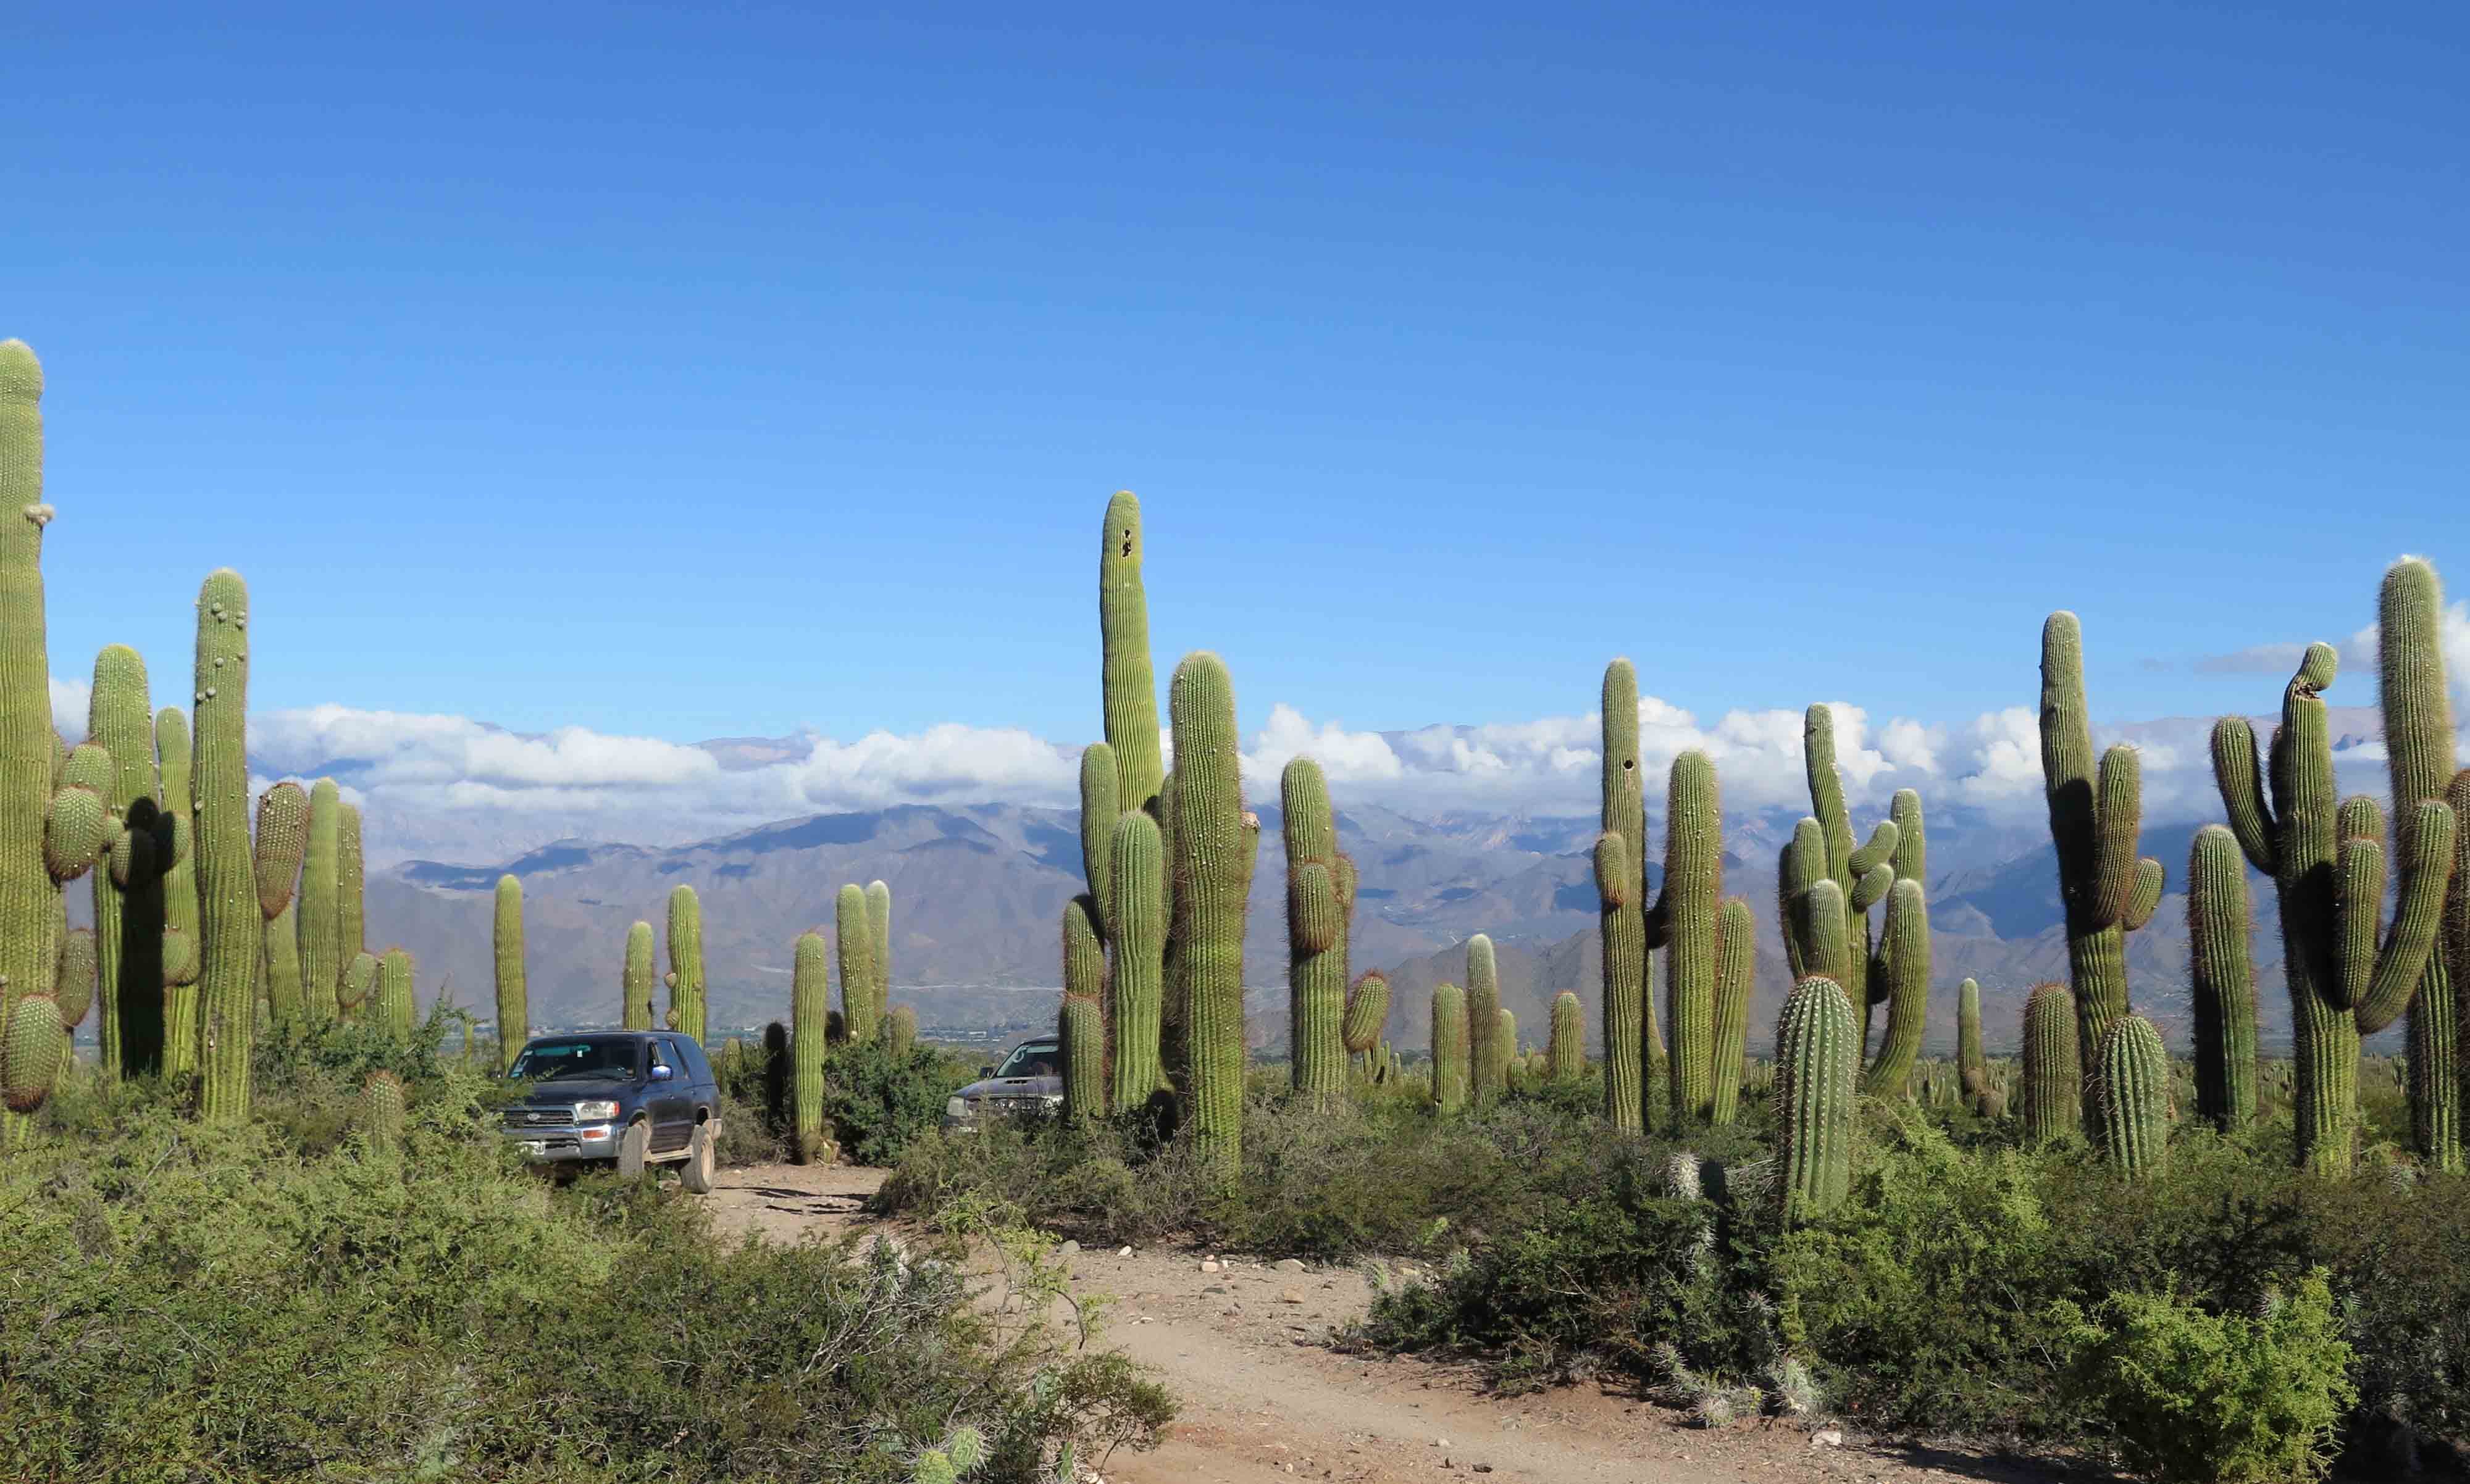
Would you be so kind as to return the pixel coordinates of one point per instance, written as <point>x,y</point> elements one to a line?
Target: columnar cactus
<point>120,718</point>
<point>396,1010</point>
<point>1735,966</point>
<point>1626,1080</point>
<point>1215,842</point>
<point>810,1006</point>
<point>1971,1062</point>
<point>878,951</point>
<point>1449,1047</point>
<point>2419,758</point>
<point>1900,970</point>
<point>854,938</point>
<point>685,978</point>
<point>1078,1021</point>
<point>900,1031</point>
<point>74,990</point>
<point>1693,895</point>
<point>1320,896</point>
<point>1136,865</point>
<point>2330,881</point>
<point>2133,1098</point>
<point>1504,1047</point>
<point>1818,1061</point>
<point>1567,1050</point>
<point>1487,1058</point>
<point>1821,849</point>
<point>351,884</point>
<point>2223,979</point>
<point>182,936</point>
<point>2053,1065</point>
<point>2105,889</point>
<point>382,1109</point>
<point>320,927</point>
<point>1367,1011</point>
<point>1130,688</point>
<point>231,924</point>
<point>634,980</point>
<point>513,1006</point>
<point>282,841</point>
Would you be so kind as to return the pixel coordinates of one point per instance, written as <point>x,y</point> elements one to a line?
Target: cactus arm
<point>2241,783</point>
<point>351,883</point>
<point>1826,791</point>
<point>2144,894</point>
<point>1871,888</point>
<point>879,950</point>
<point>1903,968</point>
<point>2399,967</point>
<point>1881,850</point>
<point>1136,857</point>
<point>282,838</point>
<point>1821,914</point>
<point>2118,810</point>
<point>1319,890</point>
<point>1100,793</point>
<point>1912,838</point>
<point>1078,1019</point>
<point>854,938</point>
<point>1624,988</point>
<point>1368,1010</point>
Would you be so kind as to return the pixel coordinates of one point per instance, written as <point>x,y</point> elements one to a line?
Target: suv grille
<point>528,1118</point>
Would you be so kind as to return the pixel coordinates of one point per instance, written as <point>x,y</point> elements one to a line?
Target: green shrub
<point>2197,1397</point>
<point>879,1103</point>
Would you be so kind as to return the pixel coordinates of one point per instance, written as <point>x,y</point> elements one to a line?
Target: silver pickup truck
<point>1030,1080</point>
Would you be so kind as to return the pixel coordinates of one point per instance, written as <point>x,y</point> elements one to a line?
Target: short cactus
<point>809,1004</point>
<point>1321,898</point>
<point>2053,1091</point>
<point>1735,967</point>
<point>1818,1062</point>
<point>1969,1060</point>
<point>1080,1023</point>
<point>381,1112</point>
<point>2223,979</point>
<point>900,1031</point>
<point>635,979</point>
<point>1567,1050</point>
<point>854,938</point>
<point>2133,1078</point>
<point>1488,1060</point>
<point>1449,1047</point>
<point>514,1009</point>
<point>396,1010</point>
<point>1367,1011</point>
<point>685,978</point>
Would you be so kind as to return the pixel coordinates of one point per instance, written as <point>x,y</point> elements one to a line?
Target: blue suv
<point>624,1098</point>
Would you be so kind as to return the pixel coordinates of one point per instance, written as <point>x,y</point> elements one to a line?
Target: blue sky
<point>686,375</point>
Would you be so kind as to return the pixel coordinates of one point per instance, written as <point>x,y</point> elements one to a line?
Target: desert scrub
<point>2198,1397</point>
<point>218,1304</point>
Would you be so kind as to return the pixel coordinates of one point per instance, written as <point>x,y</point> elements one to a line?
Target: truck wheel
<point>695,1175</point>
<point>632,1145</point>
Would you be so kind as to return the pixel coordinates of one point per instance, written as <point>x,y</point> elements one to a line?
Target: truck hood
<point>1012,1088</point>
<point>568,1090</point>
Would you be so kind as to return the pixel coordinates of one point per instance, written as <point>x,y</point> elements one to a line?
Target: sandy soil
<point>1240,1339</point>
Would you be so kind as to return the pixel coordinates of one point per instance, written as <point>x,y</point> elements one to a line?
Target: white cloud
<point>69,698</point>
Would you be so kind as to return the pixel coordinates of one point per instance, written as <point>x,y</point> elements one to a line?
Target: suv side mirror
<point>986,1070</point>
<point>661,1071</point>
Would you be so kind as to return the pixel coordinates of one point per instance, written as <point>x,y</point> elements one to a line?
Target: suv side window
<point>690,1062</point>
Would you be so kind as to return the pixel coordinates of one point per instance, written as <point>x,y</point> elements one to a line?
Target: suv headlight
<point>596,1111</point>
<point>957,1107</point>
<point>1054,1100</point>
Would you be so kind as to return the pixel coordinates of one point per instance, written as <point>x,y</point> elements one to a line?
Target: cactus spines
<point>32,1045</point>
<point>1084,984</point>
<point>809,1007</point>
<point>120,717</point>
<point>1487,1058</point>
<point>634,980</point>
<point>1818,1060</point>
<point>395,1010</point>
<point>2223,979</point>
<point>282,838</point>
<point>1367,1011</point>
<point>506,939</point>
<point>1129,685</point>
<point>1449,1047</point>
<point>1214,838</point>
<point>2323,859</point>
<point>878,951</point>
<point>1625,957</point>
<point>2093,824</point>
<point>1735,965</point>
<point>2419,754</point>
<point>1693,888</point>
<point>685,979</point>
<point>1320,897</point>
<point>354,996</point>
<point>231,924</point>
<point>351,883</point>
<point>2133,1078</point>
<point>900,1031</point>
<point>322,955</point>
<point>73,987</point>
<point>1099,792</point>
<point>2053,1065</point>
<point>381,1112</point>
<point>1137,987</point>
<point>1903,969</point>
<point>1567,1050</point>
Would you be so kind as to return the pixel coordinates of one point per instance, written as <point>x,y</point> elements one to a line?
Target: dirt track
<point>1265,1399</point>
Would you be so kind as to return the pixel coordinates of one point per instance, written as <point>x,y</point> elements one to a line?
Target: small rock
<point>1291,1296</point>
<point>1440,1442</point>
<point>1484,1468</point>
<point>1123,1252</point>
<point>1830,1438</point>
<point>1068,1249</point>
<point>1209,1265</point>
<point>1289,1265</point>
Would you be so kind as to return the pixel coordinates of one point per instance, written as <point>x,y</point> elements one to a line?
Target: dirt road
<point>1239,1340</point>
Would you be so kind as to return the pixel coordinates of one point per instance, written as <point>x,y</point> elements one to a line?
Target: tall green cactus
<point>506,939</point>
<point>1505,1049</point>
<point>1823,851</point>
<point>320,929</point>
<point>1077,1022</point>
<point>1901,971</point>
<point>2420,757</point>
<point>2223,979</point>
<point>634,980</point>
<point>2053,1065</point>
<point>1215,839</point>
<point>396,1010</point>
<point>1634,1055</point>
<point>1818,1060</point>
<point>1129,685</point>
<point>686,978</point>
<point>1971,1062</point>
<point>1487,1058</point>
<point>2133,1104</point>
<point>1449,1026</point>
<point>1320,896</point>
<point>900,1031</point>
<point>853,937</point>
<point>1135,862</point>
<point>1735,966</point>
<point>231,926</point>
<point>351,884</point>
<point>1368,1012</point>
<point>282,841</point>
<point>120,718</point>
<point>1693,895</point>
<point>2106,892</point>
<point>2330,882</point>
<point>879,952</point>
<point>182,936</point>
<point>809,1007</point>
<point>1627,1073</point>
<point>1567,1050</point>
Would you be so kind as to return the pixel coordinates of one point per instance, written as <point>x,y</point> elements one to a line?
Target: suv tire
<point>632,1145</point>
<point>695,1175</point>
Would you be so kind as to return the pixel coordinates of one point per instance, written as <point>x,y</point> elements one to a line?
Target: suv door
<point>673,1101</point>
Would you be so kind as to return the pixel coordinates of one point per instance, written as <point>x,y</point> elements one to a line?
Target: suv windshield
<point>549,1061</point>
<point>1036,1059</point>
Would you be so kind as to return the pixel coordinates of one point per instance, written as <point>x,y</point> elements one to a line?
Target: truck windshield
<point>1030,1060</point>
<point>549,1061</point>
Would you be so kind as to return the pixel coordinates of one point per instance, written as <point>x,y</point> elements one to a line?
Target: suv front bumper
<point>587,1141</point>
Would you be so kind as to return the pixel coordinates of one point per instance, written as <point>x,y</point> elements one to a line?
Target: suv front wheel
<point>632,1145</point>
<point>697,1172</point>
